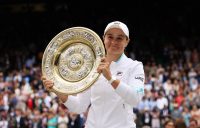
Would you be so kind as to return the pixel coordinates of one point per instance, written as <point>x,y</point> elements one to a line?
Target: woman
<point>119,88</point>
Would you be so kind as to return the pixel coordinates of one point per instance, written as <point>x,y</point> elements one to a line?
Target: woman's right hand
<point>48,84</point>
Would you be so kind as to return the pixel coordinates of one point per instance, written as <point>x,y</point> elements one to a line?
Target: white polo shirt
<point>112,108</point>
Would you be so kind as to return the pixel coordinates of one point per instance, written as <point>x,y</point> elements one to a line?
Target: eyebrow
<point>121,35</point>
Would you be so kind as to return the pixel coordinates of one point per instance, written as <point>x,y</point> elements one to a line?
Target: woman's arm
<point>133,90</point>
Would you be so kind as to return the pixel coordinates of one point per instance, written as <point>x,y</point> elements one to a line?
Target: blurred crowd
<point>24,103</point>
<point>172,91</point>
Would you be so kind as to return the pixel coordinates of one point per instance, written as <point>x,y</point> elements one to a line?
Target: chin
<point>115,49</point>
<point>114,52</point>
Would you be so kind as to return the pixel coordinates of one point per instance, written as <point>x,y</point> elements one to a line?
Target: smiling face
<point>115,41</point>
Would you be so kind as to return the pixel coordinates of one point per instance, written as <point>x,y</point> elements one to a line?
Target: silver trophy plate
<point>71,58</point>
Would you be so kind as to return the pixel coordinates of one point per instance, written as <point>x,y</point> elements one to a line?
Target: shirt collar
<point>120,60</point>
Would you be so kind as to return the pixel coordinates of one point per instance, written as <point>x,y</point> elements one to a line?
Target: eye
<point>110,37</point>
<point>119,39</point>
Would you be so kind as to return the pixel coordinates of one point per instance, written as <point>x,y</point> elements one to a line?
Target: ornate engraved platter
<point>71,59</point>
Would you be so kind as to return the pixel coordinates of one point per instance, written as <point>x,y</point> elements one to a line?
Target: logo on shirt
<point>140,90</point>
<point>139,78</point>
<point>119,73</point>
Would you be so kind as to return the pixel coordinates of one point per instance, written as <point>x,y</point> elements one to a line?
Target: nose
<point>114,40</point>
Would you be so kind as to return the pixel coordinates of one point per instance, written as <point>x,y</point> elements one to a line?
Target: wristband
<point>113,78</point>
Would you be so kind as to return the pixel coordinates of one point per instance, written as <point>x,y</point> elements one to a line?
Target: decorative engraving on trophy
<point>59,41</point>
<point>49,73</point>
<point>72,33</point>
<point>70,51</point>
<point>75,62</point>
<point>89,66</point>
<point>81,34</point>
<point>85,35</point>
<point>84,53</point>
<point>49,55</point>
<point>50,51</point>
<point>68,35</point>
<point>99,51</point>
<point>54,46</point>
<point>94,43</point>
<point>80,74</point>
<point>83,72</point>
<point>63,70</point>
<point>88,58</point>
<point>77,33</point>
<point>47,69</point>
<point>47,62</point>
<point>89,37</point>
<point>69,88</point>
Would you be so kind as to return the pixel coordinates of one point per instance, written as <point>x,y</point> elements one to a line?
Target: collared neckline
<point>120,60</point>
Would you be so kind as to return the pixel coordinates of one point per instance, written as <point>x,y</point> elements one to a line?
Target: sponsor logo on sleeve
<point>139,78</point>
<point>140,90</point>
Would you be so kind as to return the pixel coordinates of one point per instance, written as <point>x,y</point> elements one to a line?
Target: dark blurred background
<point>152,23</point>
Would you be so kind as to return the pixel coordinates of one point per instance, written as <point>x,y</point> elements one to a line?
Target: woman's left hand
<point>104,68</point>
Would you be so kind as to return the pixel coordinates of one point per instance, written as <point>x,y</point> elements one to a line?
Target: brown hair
<point>168,122</point>
<point>179,123</point>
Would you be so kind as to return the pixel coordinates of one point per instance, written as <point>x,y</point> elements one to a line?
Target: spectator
<point>193,123</point>
<point>169,124</point>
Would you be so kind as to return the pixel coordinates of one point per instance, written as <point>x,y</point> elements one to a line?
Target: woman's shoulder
<point>134,62</point>
<point>129,62</point>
